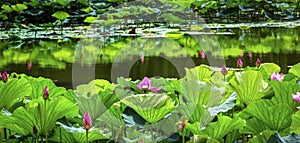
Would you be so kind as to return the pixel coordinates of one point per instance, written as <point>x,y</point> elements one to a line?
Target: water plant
<point>196,107</point>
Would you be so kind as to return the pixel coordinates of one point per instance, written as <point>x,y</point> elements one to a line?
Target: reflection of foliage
<point>55,54</point>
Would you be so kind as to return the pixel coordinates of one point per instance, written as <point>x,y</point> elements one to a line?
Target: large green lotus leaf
<point>203,139</point>
<point>195,128</point>
<point>113,117</point>
<point>202,93</point>
<point>268,68</point>
<point>13,89</point>
<point>123,89</point>
<point>249,86</point>
<point>75,135</point>
<point>91,104</point>
<point>233,136</point>
<point>19,7</point>
<point>224,107</point>
<point>254,126</point>
<point>262,137</point>
<point>283,92</point>
<point>295,126</point>
<point>63,2</point>
<point>94,87</point>
<point>201,73</point>
<point>223,126</point>
<point>90,19</point>
<point>40,83</point>
<point>61,15</point>
<point>152,107</point>
<point>295,70</point>
<point>7,8</point>
<point>276,117</point>
<point>23,119</point>
<point>165,126</point>
<point>195,113</point>
<point>95,97</point>
<point>174,85</point>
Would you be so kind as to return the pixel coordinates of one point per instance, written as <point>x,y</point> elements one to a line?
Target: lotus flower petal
<point>87,121</point>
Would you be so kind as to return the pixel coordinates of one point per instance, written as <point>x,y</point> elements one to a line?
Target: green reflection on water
<point>279,45</point>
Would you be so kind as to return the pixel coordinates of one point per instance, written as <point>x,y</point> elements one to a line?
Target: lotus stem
<point>5,136</point>
<point>87,135</point>
<point>119,132</point>
<point>45,121</point>
<point>60,137</point>
<point>183,138</point>
<point>0,135</point>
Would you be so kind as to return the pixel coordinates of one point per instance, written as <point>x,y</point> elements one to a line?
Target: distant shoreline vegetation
<point>85,12</point>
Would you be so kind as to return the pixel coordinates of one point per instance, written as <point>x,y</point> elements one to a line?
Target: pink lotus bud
<point>257,63</point>
<point>46,93</point>
<point>239,63</point>
<point>87,121</point>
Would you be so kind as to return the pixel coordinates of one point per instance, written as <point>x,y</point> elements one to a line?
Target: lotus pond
<point>253,98</point>
<point>93,71</point>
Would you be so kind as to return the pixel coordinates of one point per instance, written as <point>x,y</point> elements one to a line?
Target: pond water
<point>56,59</point>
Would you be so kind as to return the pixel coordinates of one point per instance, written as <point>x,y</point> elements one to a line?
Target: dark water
<point>54,59</point>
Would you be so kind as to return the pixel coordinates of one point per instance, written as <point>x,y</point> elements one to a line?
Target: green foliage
<point>268,68</point>
<point>75,135</point>
<point>95,98</point>
<point>276,117</point>
<point>24,118</point>
<point>295,126</point>
<point>14,89</point>
<point>295,70</point>
<point>61,15</point>
<point>7,8</point>
<point>223,126</point>
<point>283,92</point>
<point>152,107</point>
<point>201,73</point>
<point>19,7</point>
<point>249,86</point>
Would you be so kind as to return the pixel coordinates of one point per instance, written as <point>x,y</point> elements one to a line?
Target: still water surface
<point>54,59</point>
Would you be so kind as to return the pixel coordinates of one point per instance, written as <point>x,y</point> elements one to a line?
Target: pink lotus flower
<point>202,54</point>
<point>296,97</point>
<point>146,84</point>
<point>4,77</point>
<point>87,121</point>
<point>181,125</point>
<point>46,93</point>
<point>257,63</point>
<point>29,65</point>
<point>239,63</point>
<point>224,70</point>
<point>250,56</point>
<point>277,76</point>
